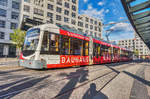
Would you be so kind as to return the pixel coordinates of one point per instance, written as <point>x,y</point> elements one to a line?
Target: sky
<point>109,11</point>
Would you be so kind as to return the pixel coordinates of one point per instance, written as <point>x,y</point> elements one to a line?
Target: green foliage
<point>136,52</point>
<point>18,37</point>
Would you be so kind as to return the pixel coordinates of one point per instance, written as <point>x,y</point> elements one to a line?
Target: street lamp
<point>108,33</point>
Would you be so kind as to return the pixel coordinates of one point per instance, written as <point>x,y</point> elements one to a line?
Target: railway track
<point>73,76</point>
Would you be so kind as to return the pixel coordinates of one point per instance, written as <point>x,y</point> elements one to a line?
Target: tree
<point>18,39</point>
<point>136,52</point>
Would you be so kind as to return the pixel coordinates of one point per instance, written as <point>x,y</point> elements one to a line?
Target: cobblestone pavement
<point>107,81</point>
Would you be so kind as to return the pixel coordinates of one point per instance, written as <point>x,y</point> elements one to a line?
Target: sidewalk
<point>8,59</point>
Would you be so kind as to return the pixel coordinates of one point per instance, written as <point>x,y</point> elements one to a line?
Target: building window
<point>59,2</point>
<point>50,7</point>
<point>73,15</point>
<point>91,21</point>
<point>91,26</point>
<point>58,9</point>
<point>80,24</point>
<point>58,17</point>
<point>66,12</point>
<point>2,35</point>
<point>3,2</point>
<point>2,24</point>
<point>49,14</point>
<point>13,26</point>
<point>26,8</point>
<point>99,23</point>
<point>86,25</point>
<point>25,16</point>
<point>95,22</point>
<point>73,22</point>
<point>27,1</point>
<point>3,12</point>
<point>39,2</point>
<point>66,19</point>
<point>51,21</point>
<point>73,7</point>
<point>74,1</point>
<point>66,5</point>
<point>80,29</point>
<point>15,5</point>
<point>87,19</point>
<point>14,15</point>
<point>95,28</point>
<point>38,12</point>
<point>99,29</point>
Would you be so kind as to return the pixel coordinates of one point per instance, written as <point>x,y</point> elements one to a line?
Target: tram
<point>56,46</point>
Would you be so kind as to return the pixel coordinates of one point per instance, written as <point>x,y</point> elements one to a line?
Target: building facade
<point>9,19</point>
<point>90,26</point>
<point>63,12</point>
<point>135,44</point>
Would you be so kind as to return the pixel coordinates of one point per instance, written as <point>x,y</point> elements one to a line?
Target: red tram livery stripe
<point>70,34</point>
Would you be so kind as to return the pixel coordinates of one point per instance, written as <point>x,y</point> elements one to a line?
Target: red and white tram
<point>54,46</point>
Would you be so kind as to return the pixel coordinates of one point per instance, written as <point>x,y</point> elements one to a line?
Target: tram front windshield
<point>31,40</point>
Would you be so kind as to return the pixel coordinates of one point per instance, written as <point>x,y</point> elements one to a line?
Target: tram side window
<point>96,51</point>
<point>65,45</point>
<point>50,44</point>
<point>54,43</point>
<point>76,47</point>
<point>102,50</point>
<point>115,50</point>
<point>110,50</point>
<point>45,42</point>
<point>85,48</point>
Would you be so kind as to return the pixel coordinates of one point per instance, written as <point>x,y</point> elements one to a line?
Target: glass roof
<point>138,12</point>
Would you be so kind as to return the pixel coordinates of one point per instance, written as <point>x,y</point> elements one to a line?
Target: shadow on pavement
<point>92,93</point>
<point>13,83</point>
<point>74,77</point>
<point>10,71</point>
<point>113,69</point>
<point>11,76</point>
<point>138,78</point>
<point>17,88</point>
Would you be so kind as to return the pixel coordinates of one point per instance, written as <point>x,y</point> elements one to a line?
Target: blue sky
<point>108,11</point>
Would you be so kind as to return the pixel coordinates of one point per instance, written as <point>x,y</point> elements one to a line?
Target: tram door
<point>91,51</point>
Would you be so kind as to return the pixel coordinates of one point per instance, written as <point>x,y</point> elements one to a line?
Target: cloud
<point>85,1</point>
<point>107,11</point>
<point>120,31</point>
<point>93,12</point>
<point>125,35</point>
<point>111,22</point>
<point>90,6</point>
<point>101,3</point>
<point>122,27</point>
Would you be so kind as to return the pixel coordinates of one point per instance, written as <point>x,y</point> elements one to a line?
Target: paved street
<point>126,80</point>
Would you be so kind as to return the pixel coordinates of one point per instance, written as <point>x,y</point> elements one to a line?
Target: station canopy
<point>138,12</point>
